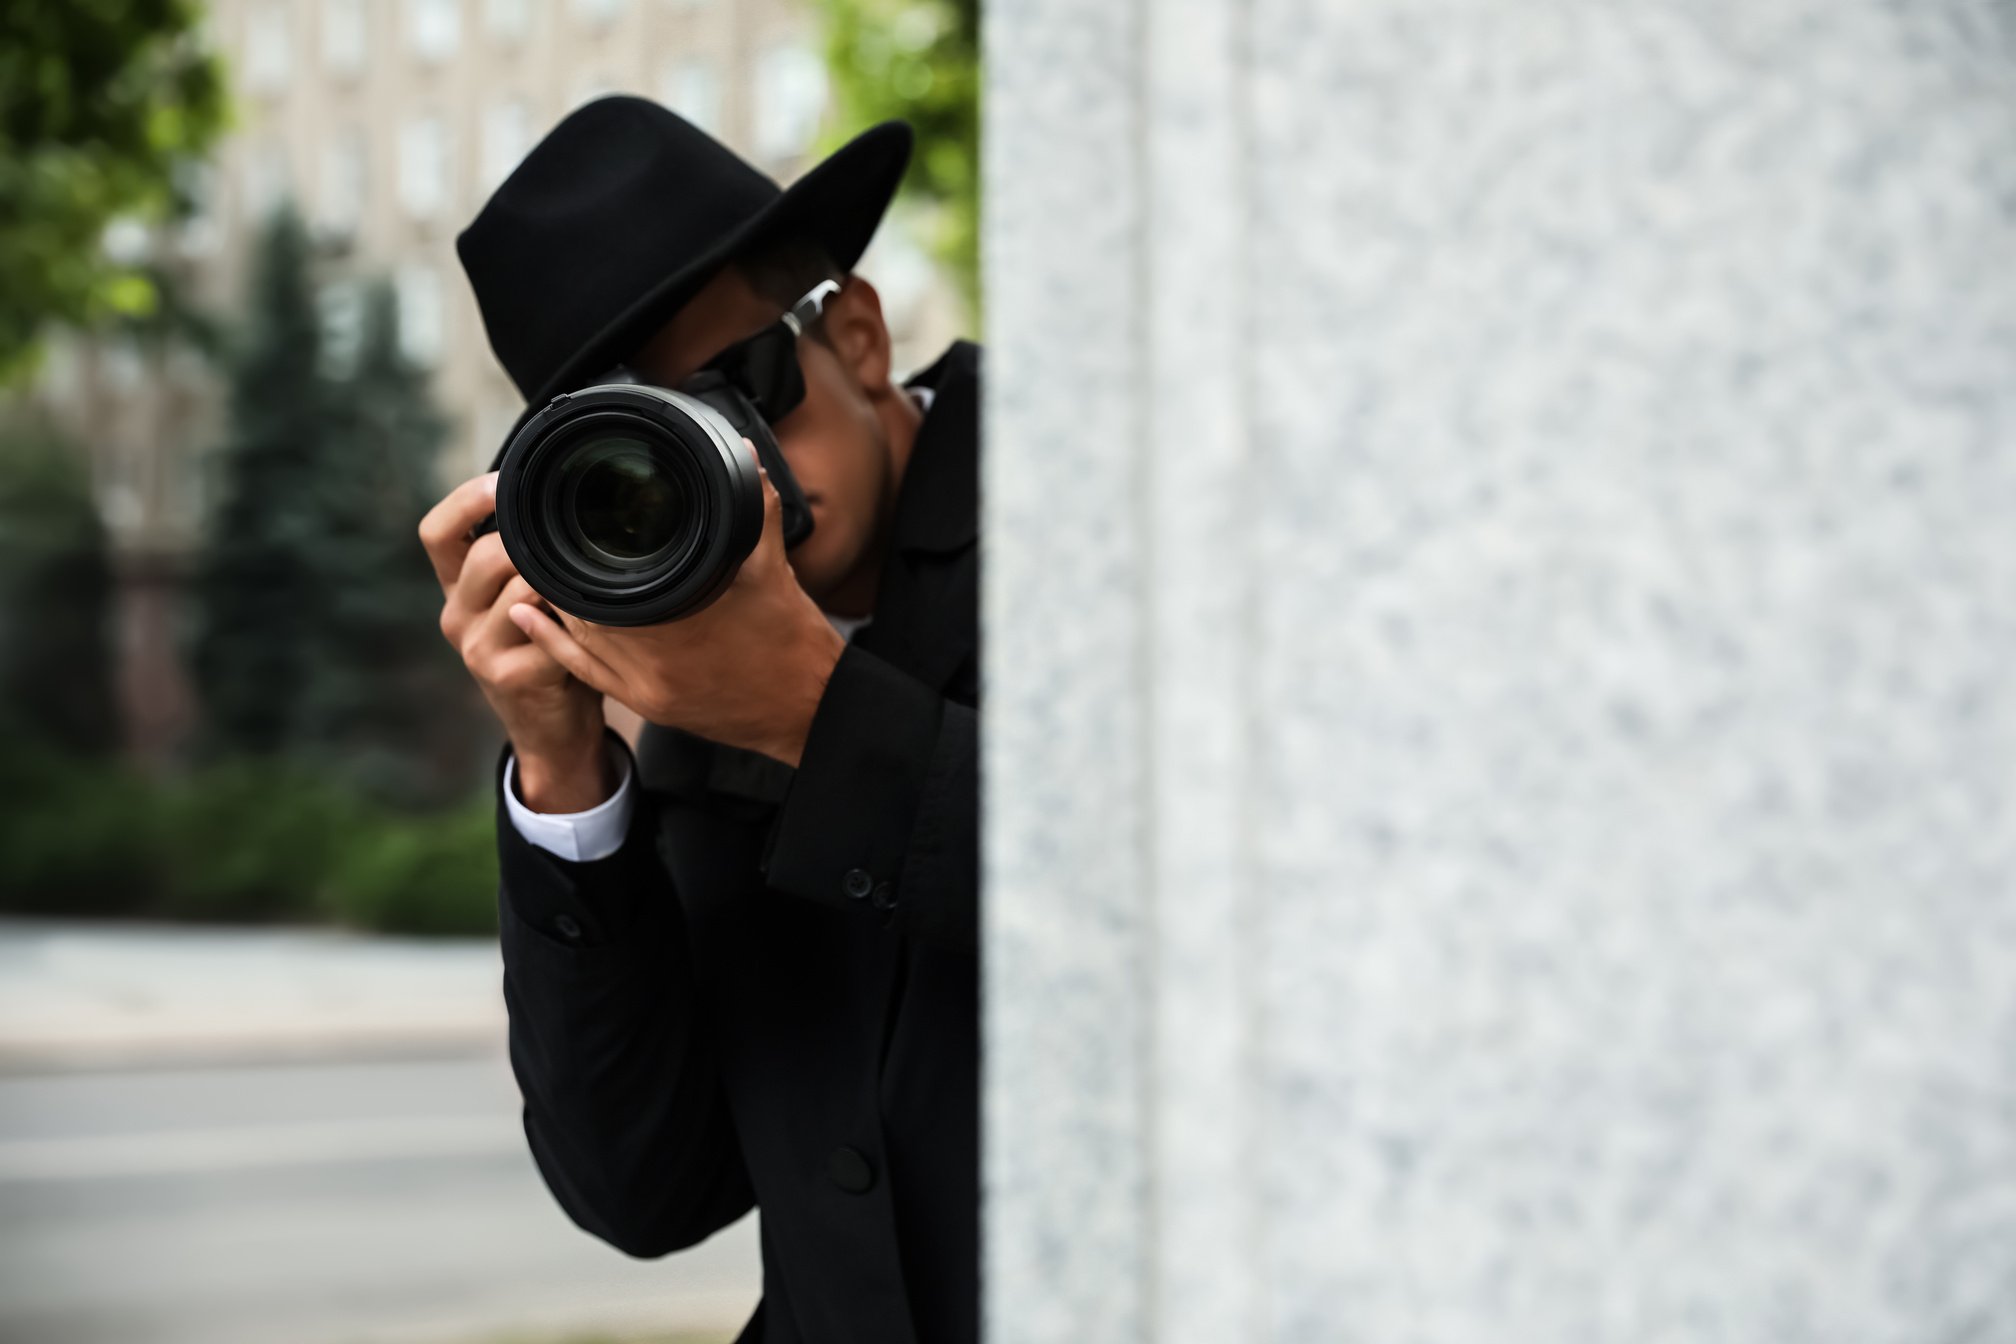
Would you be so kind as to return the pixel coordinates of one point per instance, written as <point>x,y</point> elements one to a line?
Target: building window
<point>343,36</point>
<point>266,48</point>
<point>508,19</point>
<point>342,309</point>
<point>200,232</point>
<point>423,167</point>
<point>435,26</point>
<point>125,369</point>
<point>418,292</point>
<point>598,12</point>
<point>693,90</point>
<point>343,183</point>
<point>507,134</point>
<point>266,182</point>
<point>119,503</point>
<point>62,376</point>
<point>790,99</point>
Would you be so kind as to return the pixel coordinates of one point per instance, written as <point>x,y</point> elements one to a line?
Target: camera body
<point>626,503</point>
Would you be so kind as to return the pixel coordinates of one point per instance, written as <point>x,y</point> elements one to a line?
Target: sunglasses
<point>764,367</point>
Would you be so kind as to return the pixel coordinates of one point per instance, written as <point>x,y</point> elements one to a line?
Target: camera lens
<point>620,504</point>
<point>627,504</point>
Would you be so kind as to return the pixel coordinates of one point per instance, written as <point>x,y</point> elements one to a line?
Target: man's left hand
<point>747,670</point>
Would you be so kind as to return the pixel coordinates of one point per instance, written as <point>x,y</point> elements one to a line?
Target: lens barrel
<point>628,504</point>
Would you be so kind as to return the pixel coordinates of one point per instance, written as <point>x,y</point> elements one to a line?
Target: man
<point>740,966</point>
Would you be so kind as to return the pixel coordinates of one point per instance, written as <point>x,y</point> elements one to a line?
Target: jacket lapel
<point>927,608</point>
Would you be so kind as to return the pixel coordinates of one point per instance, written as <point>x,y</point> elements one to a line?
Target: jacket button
<point>885,897</point>
<point>850,1171</point>
<point>857,883</point>
<point>569,927</point>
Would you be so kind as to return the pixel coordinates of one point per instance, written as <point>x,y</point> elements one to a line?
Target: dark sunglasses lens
<point>765,368</point>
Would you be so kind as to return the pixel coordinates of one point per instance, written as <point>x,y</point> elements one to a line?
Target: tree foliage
<point>316,637</point>
<point>55,597</point>
<point>256,590</point>
<point>385,685</point>
<point>103,103</point>
<point>919,60</point>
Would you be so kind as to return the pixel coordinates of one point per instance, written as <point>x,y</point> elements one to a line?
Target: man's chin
<point>823,576</point>
<point>814,577</point>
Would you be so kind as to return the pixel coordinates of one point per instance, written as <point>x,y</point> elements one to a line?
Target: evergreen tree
<point>260,603</point>
<point>55,597</point>
<point>382,702</point>
<point>318,637</point>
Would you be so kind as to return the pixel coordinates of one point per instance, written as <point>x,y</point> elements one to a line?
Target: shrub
<point>76,837</point>
<point>240,841</point>
<point>247,841</point>
<point>427,875</point>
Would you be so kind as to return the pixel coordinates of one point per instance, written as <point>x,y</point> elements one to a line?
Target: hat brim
<point>840,202</point>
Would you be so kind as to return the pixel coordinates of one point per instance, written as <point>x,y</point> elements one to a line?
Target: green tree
<point>385,695</point>
<point>55,597</point>
<point>919,60</point>
<point>317,637</point>
<point>103,105</point>
<point>258,595</point>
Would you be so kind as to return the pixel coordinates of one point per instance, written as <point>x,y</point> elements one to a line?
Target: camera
<point>626,503</point>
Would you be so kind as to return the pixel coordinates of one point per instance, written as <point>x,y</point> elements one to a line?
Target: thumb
<point>773,506</point>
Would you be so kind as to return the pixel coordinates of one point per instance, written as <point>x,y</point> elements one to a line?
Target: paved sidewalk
<point>85,994</point>
<point>236,1136</point>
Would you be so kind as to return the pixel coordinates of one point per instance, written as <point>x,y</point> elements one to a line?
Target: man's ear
<point>857,334</point>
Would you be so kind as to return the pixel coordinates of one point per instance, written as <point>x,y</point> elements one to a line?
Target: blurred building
<point>389,122</point>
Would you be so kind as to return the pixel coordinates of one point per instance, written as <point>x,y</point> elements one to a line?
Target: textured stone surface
<point>1501,757</point>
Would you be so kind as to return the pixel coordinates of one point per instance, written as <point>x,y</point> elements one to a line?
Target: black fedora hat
<point>624,211</point>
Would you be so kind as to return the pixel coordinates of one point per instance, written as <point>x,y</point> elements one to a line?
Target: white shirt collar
<point>847,625</point>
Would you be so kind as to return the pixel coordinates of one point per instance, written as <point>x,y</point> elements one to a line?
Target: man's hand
<point>554,721</point>
<point>747,670</point>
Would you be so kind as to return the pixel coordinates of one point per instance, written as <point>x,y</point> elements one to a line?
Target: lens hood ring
<point>692,443</point>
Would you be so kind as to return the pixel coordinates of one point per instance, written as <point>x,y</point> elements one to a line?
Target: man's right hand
<point>553,719</point>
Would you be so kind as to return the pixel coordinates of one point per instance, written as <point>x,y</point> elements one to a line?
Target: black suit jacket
<point>769,995</point>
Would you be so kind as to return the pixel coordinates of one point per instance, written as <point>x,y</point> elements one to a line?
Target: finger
<point>525,666</point>
<point>565,649</point>
<point>444,530</point>
<point>485,570</point>
<point>773,506</point>
<point>581,630</point>
<point>496,629</point>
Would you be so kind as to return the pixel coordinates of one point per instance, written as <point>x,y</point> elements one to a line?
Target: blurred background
<point>252,1082</point>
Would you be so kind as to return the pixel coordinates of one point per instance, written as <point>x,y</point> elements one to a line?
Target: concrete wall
<point>1501,593</point>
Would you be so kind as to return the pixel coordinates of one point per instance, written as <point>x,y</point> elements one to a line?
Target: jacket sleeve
<point>882,814</point>
<point>623,1106</point>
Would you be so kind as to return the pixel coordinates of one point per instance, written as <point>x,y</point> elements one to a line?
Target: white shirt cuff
<point>581,837</point>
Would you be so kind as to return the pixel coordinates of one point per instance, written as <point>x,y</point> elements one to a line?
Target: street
<point>347,1198</point>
